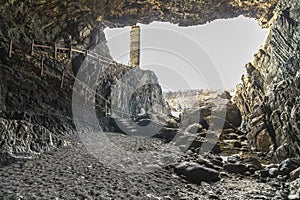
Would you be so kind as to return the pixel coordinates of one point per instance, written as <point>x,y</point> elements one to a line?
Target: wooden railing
<point>67,50</point>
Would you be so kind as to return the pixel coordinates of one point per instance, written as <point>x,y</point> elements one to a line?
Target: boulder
<point>236,168</point>
<point>274,172</point>
<point>196,173</point>
<point>222,113</point>
<point>263,173</point>
<point>237,144</point>
<point>295,174</point>
<point>253,162</point>
<point>217,162</point>
<point>288,165</point>
<point>193,128</point>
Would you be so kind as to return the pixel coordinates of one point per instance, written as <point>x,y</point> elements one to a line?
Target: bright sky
<point>210,56</point>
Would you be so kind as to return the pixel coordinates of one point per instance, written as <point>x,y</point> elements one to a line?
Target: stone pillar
<point>135,46</point>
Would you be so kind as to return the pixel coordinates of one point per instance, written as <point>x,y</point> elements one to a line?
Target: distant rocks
<point>201,126</point>
<point>222,112</point>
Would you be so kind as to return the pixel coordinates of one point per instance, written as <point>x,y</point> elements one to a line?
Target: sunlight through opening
<point>228,43</point>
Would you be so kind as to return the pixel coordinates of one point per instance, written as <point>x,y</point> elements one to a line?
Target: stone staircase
<point>126,125</point>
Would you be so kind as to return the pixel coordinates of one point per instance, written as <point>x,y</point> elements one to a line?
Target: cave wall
<point>269,95</point>
<point>35,112</point>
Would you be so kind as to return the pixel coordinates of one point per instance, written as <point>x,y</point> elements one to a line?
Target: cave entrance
<point>226,44</point>
<point>192,62</point>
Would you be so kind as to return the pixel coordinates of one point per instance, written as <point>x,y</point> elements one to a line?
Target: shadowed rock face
<point>34,113</point>
<point>268,96</point>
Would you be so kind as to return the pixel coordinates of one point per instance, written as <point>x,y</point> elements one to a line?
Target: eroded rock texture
<point>269,94</point>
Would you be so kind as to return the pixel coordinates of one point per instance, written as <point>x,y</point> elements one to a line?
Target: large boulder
<point>196,173</point>
<point>203,142</point>
<point>236,168</point>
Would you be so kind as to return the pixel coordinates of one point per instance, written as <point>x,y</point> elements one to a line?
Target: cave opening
<point>224,45</point>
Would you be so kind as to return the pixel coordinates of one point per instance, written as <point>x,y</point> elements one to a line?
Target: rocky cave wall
<point>268,96</point>
<point>35,112</point>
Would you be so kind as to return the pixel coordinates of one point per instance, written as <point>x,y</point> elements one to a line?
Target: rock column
<point>135,46</point>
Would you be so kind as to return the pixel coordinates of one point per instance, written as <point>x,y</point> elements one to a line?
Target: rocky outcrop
<point>131,90</point>
<point>268,96</point>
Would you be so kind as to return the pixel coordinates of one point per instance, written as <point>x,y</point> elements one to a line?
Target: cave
<point>69,129</point>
